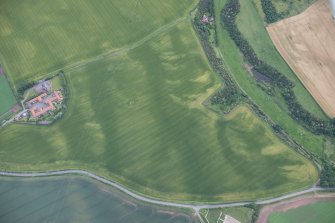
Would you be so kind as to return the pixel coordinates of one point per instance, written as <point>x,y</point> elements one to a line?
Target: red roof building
<point>44,103</point>
<point>205,19</point>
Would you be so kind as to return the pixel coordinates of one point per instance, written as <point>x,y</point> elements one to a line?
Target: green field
<point>7,99</point>
<point>62,32</point>
<point>291,7</point>
<point>136,116</point>
<point>273,107</point>
<point>241,214</point>
<point>319,212</point>
<point>77,199</point>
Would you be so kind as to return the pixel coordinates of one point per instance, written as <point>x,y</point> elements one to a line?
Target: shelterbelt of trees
<point>229,96</point>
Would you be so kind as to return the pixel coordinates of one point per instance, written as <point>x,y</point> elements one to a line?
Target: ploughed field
<point>76,199</point>
<point>307,43</point>
<point>135,111</point>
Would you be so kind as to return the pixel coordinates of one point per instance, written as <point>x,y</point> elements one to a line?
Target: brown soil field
<point>293,203</point>
<point>307,43</point>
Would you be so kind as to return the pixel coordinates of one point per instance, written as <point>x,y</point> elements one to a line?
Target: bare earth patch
<point>307,43</point>
<point>291,204</point>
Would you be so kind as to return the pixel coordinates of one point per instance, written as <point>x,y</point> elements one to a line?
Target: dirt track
<point>293,203</point>
<point>307,43</point>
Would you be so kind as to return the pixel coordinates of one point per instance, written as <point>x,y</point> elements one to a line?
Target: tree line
<point>270,11</point>
<point>230,94</point>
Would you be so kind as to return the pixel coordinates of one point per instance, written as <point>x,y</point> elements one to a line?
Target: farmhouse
<point>207,19</point>
<point>44,103</point>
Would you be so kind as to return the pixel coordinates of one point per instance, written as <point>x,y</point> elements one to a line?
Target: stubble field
<point>307,43</point>
<point>136,116</point>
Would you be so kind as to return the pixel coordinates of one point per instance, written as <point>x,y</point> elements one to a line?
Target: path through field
<point>119,51</point>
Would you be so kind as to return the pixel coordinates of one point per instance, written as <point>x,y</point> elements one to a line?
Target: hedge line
<point>229,96</point>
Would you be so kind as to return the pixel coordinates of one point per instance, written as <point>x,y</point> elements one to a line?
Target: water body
<point>76,199</point>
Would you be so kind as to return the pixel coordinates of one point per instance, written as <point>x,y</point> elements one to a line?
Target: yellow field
<point>307,43</point>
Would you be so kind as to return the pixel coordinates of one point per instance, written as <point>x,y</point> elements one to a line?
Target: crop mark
<point>113,53</point>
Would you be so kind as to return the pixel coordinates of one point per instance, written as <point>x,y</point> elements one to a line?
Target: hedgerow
<point>229,96</point>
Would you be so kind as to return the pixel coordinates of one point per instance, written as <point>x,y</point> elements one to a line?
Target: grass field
<point>272,106</point>
<point>241,214</point>
<point>322,211</point>
<point>76,199</point>
<point>291,7</point>
<point>137,117</point>
<point>7,99</point>
<point>305,41</point>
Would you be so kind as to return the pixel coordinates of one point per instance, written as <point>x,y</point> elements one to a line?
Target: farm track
<point>116,52</point>
<point>195,206</point>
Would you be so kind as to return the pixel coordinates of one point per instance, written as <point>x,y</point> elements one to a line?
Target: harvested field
<point>307,43</point>
<point>292,204</point>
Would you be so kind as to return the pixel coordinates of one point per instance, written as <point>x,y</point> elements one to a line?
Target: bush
<point>271,14</point>
<point>255,211</point>
<point>327,176</point>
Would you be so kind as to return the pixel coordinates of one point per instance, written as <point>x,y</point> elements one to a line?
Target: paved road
<point>196,207</point>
